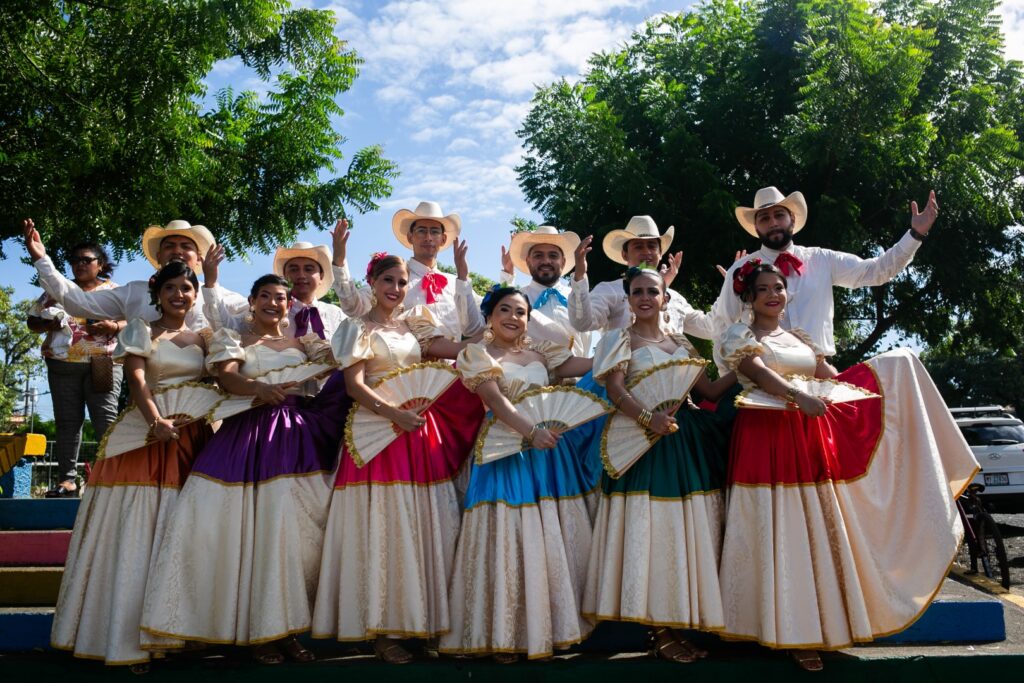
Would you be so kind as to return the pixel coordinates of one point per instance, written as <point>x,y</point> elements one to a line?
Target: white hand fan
<point>830,389</point>
<point>184,403</point>
<point>414,388</point>
<point>558,408</point>
<point>662,387</point>
<point>234,404</point>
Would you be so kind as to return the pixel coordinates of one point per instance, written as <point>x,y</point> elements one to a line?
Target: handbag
<point>102,373</point>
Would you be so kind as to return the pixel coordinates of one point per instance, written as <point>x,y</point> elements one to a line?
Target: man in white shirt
<point>308,268</point>
<point>546,255</point>
<point>606,307</point>
<point>177,241</point>
<point>426,231</point>
<point>811,272</point>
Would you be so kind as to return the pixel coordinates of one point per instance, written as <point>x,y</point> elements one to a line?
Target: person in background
<point>79,365</point>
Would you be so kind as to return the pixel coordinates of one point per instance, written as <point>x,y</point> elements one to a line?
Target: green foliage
<point>479,282</point>
<point>978,376</point>
<point>19,352</point>
<point>106,126</point>
<point>863,107</point>
<point>520,224</point>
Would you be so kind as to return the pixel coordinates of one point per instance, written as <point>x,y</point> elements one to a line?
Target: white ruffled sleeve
<point>134,340</point>
<point>476,366</point>
<point>819,353</point>
<point>423,326</point>
<point>226,344</point>
<point>613,353</point>
<point>351,343</point>
<point>738,343</point>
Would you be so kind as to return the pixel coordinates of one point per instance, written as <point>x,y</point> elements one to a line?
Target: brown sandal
<point>697,652</point>
<point>808,660</point>
<point>665,645</point>
<point>268,654</point>
<point>391,652</point>
<point>294,649</point>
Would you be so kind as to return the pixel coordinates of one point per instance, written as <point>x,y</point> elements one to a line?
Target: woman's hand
<point>407,420</point>
<point>581,257</point>
<point>33,242</point>
<point>544,439</point>
<point>164,429</point>
<point>272,394</point>
<point>211,264</point>
<point>461,263</point>
<point>102,328</point>
<point>339,240</point>
<point>810,405</point>
<point>663,423</point>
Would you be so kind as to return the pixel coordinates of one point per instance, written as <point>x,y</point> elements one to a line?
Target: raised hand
<point>461,264</point>
<point>340,241</point>
<point>921,222</point>
<point>725,271</point>
<point>506,260</point>
<point>33,242</point>
<point>211,264</point>
<point>581,257</point>
<point>671,269</point>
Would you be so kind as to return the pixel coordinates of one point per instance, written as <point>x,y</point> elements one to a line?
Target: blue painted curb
<point>38,514</point>
<point>25,629</point>
<point>963,622</point>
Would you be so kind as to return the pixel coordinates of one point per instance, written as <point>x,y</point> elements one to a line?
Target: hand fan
<point>829,389</point>
<point>234,404</point>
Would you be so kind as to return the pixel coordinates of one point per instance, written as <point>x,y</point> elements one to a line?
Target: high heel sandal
<point>294,649</point>
<point>390,652</point>
<point>665,645</point>
<point>808,660</point>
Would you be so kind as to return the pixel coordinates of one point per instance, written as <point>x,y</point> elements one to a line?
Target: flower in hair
<point>488,296</point>
<point>377,256</point>
<point>739,276</point>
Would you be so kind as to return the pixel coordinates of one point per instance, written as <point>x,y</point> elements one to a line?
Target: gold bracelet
<point>644,418</point>
<point>791,393</point>
<point>533,433</point>
<point>622,397</point>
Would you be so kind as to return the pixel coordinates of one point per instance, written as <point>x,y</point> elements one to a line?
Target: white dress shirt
<point>607,308</point>
<point>553,325</point>
<point>455,311</point>
<point>811,305</point>
<point>128,301</point>
<point>330,315</point>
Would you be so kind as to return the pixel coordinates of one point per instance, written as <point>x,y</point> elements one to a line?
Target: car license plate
<point>997,479</point>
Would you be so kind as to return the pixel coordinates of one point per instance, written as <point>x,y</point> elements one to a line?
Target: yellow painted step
<point>36,586</point>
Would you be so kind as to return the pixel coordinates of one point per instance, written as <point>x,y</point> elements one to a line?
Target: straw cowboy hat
<point>154,235</point>
<point>770,196</point>
<point>403,219</point>
<point>315,252</point>
<point>639,227</point>
<point>522,242</point>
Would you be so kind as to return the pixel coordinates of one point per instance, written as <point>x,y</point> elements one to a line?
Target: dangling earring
<point>523,342</point>
<point>488,336</point>
<point>249,317</point>
<point>373,299</point>
<point>664,315</point>
<point>782,314</point>
<point>399,309</point>
<point>285,323</point>
<point>632,318</point>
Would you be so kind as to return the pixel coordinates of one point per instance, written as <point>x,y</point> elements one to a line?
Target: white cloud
<point>461,145</point>
<point>428,134</point>
<point>1012,12</point>
<point>441,102</point>
<point>395,94</point>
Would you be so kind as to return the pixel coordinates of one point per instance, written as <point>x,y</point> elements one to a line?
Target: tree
<point>19,353</point>
<point>106,127</point>
<point>861,107</point>
<point>978,376</point>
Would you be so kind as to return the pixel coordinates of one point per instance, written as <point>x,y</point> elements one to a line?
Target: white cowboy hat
<point>639,227</point>
<point>522,242</point>
<point>155,234</point>
<point>770,196</point>
<point>404,218</point>
<point>315,252</point>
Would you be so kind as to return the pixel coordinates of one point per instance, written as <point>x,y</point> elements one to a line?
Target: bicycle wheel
<point>992,555</point>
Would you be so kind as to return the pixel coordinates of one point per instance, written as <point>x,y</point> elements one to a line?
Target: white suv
<point>997,439</point>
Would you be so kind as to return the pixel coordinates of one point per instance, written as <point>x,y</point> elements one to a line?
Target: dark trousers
<point>71,391</point>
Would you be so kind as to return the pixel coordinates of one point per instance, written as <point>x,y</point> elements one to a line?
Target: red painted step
<point>34,548</point>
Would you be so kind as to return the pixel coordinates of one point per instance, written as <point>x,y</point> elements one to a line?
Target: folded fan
<point>558,409</point>
<point>415,388</point>
<point>182,403</point>
<point>662,387</point>
<point>234,404</point>
<point>828,389</point>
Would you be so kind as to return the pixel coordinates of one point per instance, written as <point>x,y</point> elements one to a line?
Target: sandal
<point>294,649</point>
<point>267,654</point>
<point>390,652</point>
<point>666,646</point>
<point>697,652</point>
<point>62,491</point>
<point>140,668</point>
<point>505,657</point>
<point>808,660</point>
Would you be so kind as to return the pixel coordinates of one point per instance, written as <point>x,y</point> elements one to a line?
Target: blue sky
<point>444,87</point>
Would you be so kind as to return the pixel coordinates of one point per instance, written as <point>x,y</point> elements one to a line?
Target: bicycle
<point>983,543</point>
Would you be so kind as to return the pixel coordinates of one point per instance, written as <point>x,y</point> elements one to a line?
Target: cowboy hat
<point>318,253</point>
<point>639,227</point>
<point>155,234</point>
<point>522,242</point>
<point>770,196</point>
<point>404,218</point>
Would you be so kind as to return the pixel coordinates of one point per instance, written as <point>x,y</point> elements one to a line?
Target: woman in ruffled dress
<point>239,562</point>
<point>393,523</point>
<point>130,496</point>
<point>658,530</point>
<point>840,525</point>
<point>522,552</point>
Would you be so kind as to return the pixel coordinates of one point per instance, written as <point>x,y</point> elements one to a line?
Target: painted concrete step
<point>34,548</point>
<point>960,615</point>
<point>38,514</point>
<point>37,586</point>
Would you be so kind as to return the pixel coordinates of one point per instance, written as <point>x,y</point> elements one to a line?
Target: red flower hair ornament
<point>739,276</point>
<point>377,256</point>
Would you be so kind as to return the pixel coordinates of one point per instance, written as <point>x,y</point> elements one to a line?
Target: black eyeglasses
<point>82,260</point>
